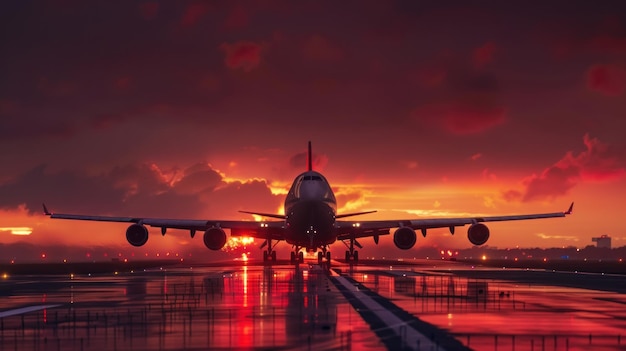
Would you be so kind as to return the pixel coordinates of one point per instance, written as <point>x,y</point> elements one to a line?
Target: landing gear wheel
<point>300,257</point>
<point>320,257</point>
<point>273,256</point>
<point>328,256</point>
<point>347,256</point>
<point>293,257</point>
<point>264,256</point>
<point>355,256</point>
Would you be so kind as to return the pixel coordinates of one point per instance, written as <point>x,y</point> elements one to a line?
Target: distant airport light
<point>21,231</point>
<point>5,276</point>
<point>125,260</point>
<point>545,259</point>
<point>484,257</point>
<point>64,260</point>
<point>43,255</point>
<point>13,261</point>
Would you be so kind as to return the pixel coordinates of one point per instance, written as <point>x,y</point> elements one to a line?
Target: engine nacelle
<point>137,234</point>
<point>214,238</point>
<point>404,238</point>
<point>478,234</point>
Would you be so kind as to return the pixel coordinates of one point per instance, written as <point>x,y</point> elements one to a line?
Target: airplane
<point>310,221</point>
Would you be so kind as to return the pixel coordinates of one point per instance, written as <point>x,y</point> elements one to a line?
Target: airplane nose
<point>310,192</point>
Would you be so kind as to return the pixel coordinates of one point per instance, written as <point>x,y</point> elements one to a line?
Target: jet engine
<point>478,234</point>
<point>137,234</point>
<point>214,238</point>
<point>404,238</point>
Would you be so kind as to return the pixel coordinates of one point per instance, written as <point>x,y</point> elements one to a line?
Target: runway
<point>417,305</point>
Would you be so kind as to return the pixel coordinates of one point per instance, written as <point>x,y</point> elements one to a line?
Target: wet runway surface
<point>426,305</point>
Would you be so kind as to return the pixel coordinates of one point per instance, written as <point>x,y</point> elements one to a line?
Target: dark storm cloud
<point>468,102</point>
<point>198,179</point>
<point>242,54</point>
<point>137,190</point>
<point>606,79</point>
<point>257,71</point>
<point>102,60</point>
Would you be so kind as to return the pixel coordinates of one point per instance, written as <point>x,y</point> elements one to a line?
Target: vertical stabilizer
<point>310,158</point>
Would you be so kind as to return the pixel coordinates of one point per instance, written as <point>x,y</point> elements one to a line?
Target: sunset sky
<point>198,109</point>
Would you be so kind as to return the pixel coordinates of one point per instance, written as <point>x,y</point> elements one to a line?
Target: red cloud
<point>597,163</point>
<point>606,79</point>
<point>483,55</point>
<point>193,13</point>
<point>608,44</point>
<point>319,48</point>
<point>462,117</point>
<point>242,54</point>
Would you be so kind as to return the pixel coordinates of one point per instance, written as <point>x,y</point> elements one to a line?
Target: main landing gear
<point>269,254</point>
<point>323,254</point>
<point>297,256</point>
<point>352,255</point>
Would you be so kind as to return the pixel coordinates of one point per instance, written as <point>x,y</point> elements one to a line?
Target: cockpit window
<point>313,178</point>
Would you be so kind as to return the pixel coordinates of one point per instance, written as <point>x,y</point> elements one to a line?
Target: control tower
<point>604,241</point>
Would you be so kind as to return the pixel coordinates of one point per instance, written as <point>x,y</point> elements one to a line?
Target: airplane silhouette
<point>310,221</point>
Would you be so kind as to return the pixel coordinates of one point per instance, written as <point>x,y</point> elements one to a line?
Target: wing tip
<point>570,209</point>
<point>45,210</point>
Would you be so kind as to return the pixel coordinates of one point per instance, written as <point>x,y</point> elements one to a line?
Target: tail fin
<point>310,158</point>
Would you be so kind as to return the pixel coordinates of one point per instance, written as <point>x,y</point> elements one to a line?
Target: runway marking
<point>411,337</point>
<point>397,328</point>
<point>25,310</point>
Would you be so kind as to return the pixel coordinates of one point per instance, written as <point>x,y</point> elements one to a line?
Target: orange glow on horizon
<point>17,230</point>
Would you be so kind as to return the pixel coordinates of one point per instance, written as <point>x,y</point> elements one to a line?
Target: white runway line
<point>412,338</point>
<point>25,310</point>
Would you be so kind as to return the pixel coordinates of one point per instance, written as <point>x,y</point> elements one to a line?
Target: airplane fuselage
<point>310,210</point>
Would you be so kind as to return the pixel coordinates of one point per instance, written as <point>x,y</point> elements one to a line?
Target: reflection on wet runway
<point>280,307</point>
<point>190,308</point>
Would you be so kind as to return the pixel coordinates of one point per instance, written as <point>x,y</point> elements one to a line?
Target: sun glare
<point>17,230</point>
<point>237,242</point>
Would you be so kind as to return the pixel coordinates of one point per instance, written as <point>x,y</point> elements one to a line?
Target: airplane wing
<point>359,229</point>
<point>261,230</point>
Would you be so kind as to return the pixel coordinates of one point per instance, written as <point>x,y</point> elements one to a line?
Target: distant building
<point>604,241</point>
